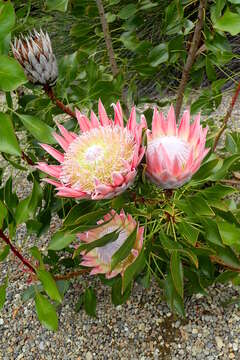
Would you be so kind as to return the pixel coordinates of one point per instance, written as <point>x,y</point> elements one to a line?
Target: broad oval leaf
<point>8,140</point>
<point>60,240</point>
<point>159,54</point>
<point>229,22</point>
<point>230,233</point>
<point>11,74</point>
<point>90,302</point>
<point>46,312</point>
<point>49,285</point>
<point>41,131</point>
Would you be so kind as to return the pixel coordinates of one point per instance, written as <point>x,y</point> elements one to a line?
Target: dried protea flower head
<point>174,153</point>
<point>34,53</point>
<point>100,258</point>
<point>99,163</point>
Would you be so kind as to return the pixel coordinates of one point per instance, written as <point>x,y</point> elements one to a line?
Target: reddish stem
<point>27,158</point>
<point>16,252</point>
<point>227,116</point>
<point>49,91</point>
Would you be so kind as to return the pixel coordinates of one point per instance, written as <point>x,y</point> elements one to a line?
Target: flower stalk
<point>49,91</point>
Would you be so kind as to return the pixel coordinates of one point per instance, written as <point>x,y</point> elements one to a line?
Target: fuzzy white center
<point>94,154</point>
<point>106,252</point>
<point>173,145</point>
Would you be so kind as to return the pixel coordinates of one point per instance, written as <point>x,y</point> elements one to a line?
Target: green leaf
<point>90,302</point>
<point>227,163</point>
<point>63,286</point>
<point>46,312</point>
<point>199,206</point>
<point>8,140</point>
<point>34,251</point>
<point>60,5</point>
<point>212,232</point>
<point>3,293</point>
<point>79,303</point>
<point>228,257</point>
<point>119,297</point>
<point>41,131</point>
<point>189,232</point>
<point>177,272</point>
<point>218,191</point>
<point>124,250</point>
<point>226,276</point>
<point>133,270</point>
<point>127,11</point>
<point>49,285</point>
<point>4,253</point>
<point>174,300</point>
<point>77,211</point>
<point>229,22</point>
<point>104,240</point>
<point>7,18</point>
<point>60,240</point>
<point>11,74</point>
<point>88,219</point>
<point>230,234</point>
<point>159,54</point>
<point>22,212</point>
<point>35,198</point>
<point>3,213</point>
<point>205,170</point>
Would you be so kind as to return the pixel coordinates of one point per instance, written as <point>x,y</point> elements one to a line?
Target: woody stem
<point>16,252</point>
<point>49,91</point>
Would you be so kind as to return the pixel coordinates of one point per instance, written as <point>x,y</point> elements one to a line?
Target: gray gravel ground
<point>143,328</point>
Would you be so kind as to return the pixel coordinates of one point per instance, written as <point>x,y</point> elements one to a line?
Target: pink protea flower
<point>174,153</point>
<point>102,161</point>
<point>100,258</point>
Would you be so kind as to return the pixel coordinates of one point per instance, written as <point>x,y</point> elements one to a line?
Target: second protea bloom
<point>99,259</point>
<point>174,153</point>
<point>34,53</point>
<point>102,161</point>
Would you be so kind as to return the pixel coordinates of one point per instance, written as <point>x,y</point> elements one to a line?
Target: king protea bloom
<point>100,258</point>
<point>102,161</point>
<point>35,55</point>
<point>174,153</point>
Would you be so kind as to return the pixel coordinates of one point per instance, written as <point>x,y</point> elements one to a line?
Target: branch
<point>16,252</point>
<point>191,56</point>
<point>231,182</point>
<point>107,38</point>
<point>71,275</point>
<point>227,116</point>
<point>49,91</point>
